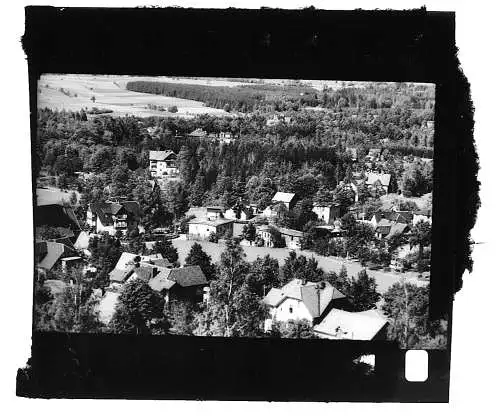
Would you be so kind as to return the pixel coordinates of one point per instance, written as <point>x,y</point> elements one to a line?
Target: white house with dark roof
<point>378,180</point>
<point>299,299</point>
<point>163,163</point>
<point>112,217</point>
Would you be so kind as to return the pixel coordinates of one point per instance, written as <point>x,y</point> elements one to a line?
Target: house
<point>214,212</point>
<point>327,212</point>
<point>299,299</point>
<point>198,133</point>
<point>51,254</point>
<point>378,181</point>
<point>392,216</point>
<point>342,325</point>
<point>211,222</point>
<point>241,213</point>
<point>287,199</point>
<point>186,283</point>
<point>223,137</point>
<point>422,215</point>
<point>112,217</point>
<point>387,229</point>
<point>276,119</point>
<point>264,232</point>
<point>128,262</point>
<point>202,229</point>
<point>163,163</point>
<point>292,237</point>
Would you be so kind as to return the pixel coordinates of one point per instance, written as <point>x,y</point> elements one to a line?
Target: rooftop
<point>283,196</point>
<point>315,296</point>
<point>340,324</point>
<point>161,155</point>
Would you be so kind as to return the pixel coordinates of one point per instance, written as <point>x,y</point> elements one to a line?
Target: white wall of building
<point>290,310</point>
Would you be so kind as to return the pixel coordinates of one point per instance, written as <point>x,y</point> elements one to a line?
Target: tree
<point>167,250</point>
<point>249,232</point>
<point>92,98</point>
<point>362,292</point>
<point>407,306</point>
<point>420,235</point>
<point>302,268</point>
<point>276,238</point>
<point>293,329</point>
<point>233,308</point>
<point>264,275</point>
<point>137,309</point>
<point>104,254</point>
<point>197,256</point>
<point>172,109</point>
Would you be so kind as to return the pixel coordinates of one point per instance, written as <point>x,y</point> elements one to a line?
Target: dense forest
<point>249,98</point>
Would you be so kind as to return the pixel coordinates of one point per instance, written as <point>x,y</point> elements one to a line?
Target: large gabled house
<point>112,217</point>
<point>163,163</point>
<point>378,182</point>
<point>299,299</point>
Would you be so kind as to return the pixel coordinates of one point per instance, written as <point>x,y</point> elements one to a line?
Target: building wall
<point>200,230</point>
<point>292,242</point>
<point>298,311</point>
<point>324,213</point>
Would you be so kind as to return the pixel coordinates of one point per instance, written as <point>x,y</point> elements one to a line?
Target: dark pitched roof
<point>107,209</point>
<point>315,296</point>
<point>54,252</point>
<point>56,215</point>
<point>188,276</point>
<point>161,155</point>
<point>145,272</point>
<point>184,277</point>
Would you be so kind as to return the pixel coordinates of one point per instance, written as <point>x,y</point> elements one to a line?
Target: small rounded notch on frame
<point>416,365</point>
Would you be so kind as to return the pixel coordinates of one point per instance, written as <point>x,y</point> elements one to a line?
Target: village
<point>312,262</point>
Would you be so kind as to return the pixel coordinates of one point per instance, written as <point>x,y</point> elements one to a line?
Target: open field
<point>110,93</point>
<point>52,195</point>
<point>384,279</point>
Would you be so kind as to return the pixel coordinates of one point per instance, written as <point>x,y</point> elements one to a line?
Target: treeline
<point>253,97</point>
<point>376,96</point>
<point>240,98</point>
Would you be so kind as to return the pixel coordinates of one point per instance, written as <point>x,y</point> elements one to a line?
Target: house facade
<point>163,163</point>
<point>327,212</point>
<point>299,299</point>
<point>202,229</point>
<point>112,217</point>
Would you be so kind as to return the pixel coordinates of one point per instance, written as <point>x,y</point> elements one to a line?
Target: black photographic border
<point>407,46</point>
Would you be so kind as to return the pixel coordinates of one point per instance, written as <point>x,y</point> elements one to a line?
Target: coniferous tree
<point>197,256</point>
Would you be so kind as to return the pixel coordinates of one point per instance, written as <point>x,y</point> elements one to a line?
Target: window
<point>290,309</point>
